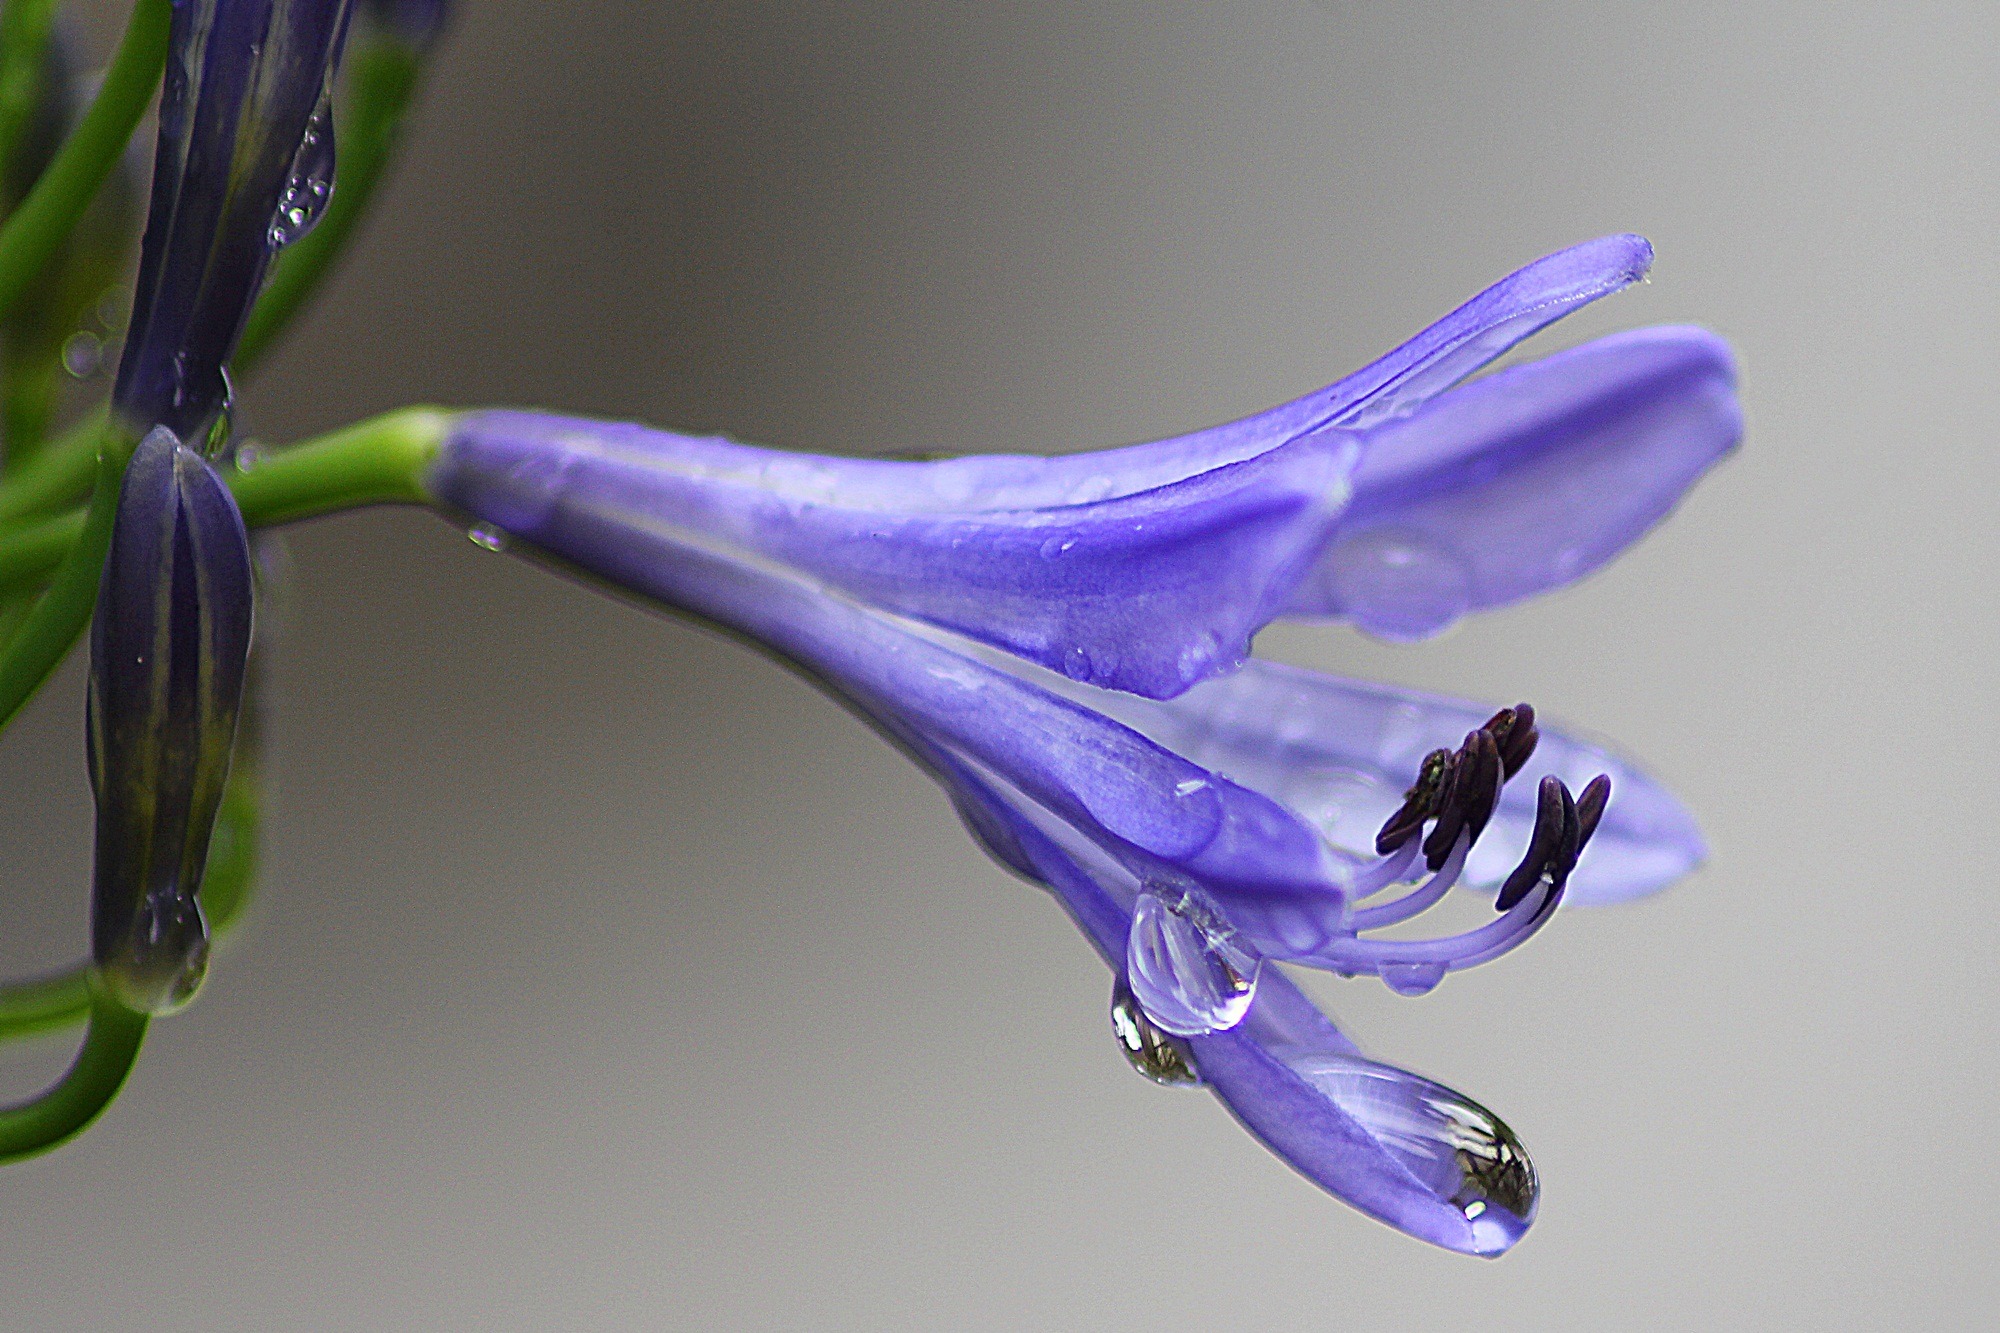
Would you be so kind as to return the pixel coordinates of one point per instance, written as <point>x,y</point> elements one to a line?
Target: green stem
<point>24,44</point>
<point>109,1049</point>
<point>50,212</point>
<point>378,461</point>
<point>58,475</point>
<point>381,77</point>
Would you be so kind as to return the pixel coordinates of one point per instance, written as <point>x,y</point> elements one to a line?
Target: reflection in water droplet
<point>1162,1058</point>
<point>1076,663</point>
<point>1397,585</point>
<point>1187,965</point>
<point>1412,978</point>
<point>487,536</point>
<point>1458,1149</point>
<point>159,964</point>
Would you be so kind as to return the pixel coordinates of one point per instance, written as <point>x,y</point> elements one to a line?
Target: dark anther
<point>1450,813</point>
<point>1518,745</point>
<point>1543,845</point>
<point>1590,803</point>
<point>1479,789</point>
<point>1420,802</point>
<point>1572,842</point>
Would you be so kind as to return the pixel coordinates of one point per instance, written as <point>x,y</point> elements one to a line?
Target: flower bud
<point>243,166</point>
<point>168,651</point>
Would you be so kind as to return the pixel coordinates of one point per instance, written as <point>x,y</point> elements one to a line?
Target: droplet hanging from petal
<point>1156,1055</point>
<point>1189,969</point>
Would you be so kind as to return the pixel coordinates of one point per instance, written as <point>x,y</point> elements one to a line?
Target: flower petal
<point>1525,480</point>
<point>1147,591</point>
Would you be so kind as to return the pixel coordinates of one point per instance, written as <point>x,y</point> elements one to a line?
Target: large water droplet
<point>310,187</point>
<point>487,537</point>
<point>1412,978</point>
<point>1458,1149</point>
<point>1076,663</point>
<point>160,963</point>
<point>1155,1054</point>
<point>1188,967</point>
<point>1396,584</point>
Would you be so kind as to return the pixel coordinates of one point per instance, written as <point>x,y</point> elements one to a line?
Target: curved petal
<point>1340,753</point>
<point>1525,480</point>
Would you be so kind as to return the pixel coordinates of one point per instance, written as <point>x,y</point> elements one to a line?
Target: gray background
<point>605,975</point>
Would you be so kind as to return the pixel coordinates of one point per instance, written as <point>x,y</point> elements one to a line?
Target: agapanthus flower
<point>244,166</point>
<point>167,655</point>
<point>1063,643</point>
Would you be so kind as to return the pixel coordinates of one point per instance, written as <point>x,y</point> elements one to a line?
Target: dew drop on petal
<point>1459,1150</point>
<point>1188,968</point>
<point>1412,978</point>
<point>487,537</point>
<point>1156,1055</point>
<point>1397,585</point>
<point>310,186</point>
<point>1076,663</point>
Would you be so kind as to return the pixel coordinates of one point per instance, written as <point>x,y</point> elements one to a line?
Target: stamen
<point>1422,898</point>
<point>1481,793</point>
<point>1393,868</point>
<point>1451,952</point>
<point>1514,729</point>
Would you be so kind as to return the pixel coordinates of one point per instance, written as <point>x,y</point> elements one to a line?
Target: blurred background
<point>605,975</point>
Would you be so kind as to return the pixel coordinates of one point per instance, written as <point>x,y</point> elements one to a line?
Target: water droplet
<point>1412,978</point>
<point>1162,1058</point>
<point>1458,1149</point>
<point>159,964</point>
<point>1054,547</point>
<point>1189,786</point>
<point>311,185</point>
<point>248,456</point>
<point>1187,965</point>
<point>82,354</point>
<point>488,537</point>
<point>1397,585</point>
<point>1076,663</point>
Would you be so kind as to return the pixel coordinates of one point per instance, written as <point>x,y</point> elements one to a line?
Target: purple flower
<point>1062,642</point>
<point>244,165</point>
<point>167,656</point>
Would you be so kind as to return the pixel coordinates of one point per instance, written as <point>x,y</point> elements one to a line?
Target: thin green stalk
<point>24,42</point>
<point>378,461</point>
<point>110,1047</point>
<point>47,634</point>
<point>38,227</point>
<point>382,75</point>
